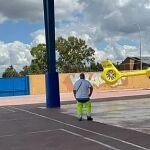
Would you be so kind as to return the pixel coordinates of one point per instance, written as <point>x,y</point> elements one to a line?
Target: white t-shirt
<point>82,88</point>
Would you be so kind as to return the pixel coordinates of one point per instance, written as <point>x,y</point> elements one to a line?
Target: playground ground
<point>121,122</point>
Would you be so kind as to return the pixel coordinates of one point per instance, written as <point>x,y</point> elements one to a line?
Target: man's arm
<point>91,91</point>
<point>74,92</point>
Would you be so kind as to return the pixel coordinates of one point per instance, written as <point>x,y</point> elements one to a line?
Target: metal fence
<point>14,86</point>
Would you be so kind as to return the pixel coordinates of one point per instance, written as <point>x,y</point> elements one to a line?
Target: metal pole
<point>140,45</point>
<point>52,80</point>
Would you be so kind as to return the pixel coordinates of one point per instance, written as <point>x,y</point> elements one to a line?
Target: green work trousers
<point>81,105</point>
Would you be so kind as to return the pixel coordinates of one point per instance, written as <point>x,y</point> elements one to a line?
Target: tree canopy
<point>10,72</point>
<point>26,70</point>
<point>39,62</point>
<point>74,54</point>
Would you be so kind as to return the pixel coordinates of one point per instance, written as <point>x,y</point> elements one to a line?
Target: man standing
<point>82,92</point>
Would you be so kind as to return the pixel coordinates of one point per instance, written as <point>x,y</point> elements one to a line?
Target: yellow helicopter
<point>111,75</point>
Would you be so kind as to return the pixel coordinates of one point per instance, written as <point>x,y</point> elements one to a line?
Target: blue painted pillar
<point>52,79</point>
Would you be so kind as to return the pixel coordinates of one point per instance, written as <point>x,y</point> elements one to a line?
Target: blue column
<point>52,79</point>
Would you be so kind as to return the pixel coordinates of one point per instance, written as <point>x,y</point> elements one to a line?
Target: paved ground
<point>68,97</point>
<point>131,114</point>
<point>34,127</point>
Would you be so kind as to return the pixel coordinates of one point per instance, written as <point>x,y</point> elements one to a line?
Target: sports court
<point>121,124</point>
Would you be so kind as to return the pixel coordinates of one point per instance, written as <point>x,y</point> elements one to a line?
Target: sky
<point>114,28</point>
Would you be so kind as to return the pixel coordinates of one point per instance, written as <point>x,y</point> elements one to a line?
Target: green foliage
<point>39,62</point>
<point>117,65</point>
<point>10,72</point>
<point>95,67</point>
<point>26,71</point>
<point>74,54</point>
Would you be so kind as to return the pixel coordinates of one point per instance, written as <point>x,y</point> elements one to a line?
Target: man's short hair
<point>82,76</point>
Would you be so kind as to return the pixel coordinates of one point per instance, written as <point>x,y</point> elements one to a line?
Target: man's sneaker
<point>80,119</point>
<point>89,118</point>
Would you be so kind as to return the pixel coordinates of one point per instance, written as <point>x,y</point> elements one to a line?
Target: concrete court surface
<point>65,97</point>
<point>34,127</point>
<point>128,113</point>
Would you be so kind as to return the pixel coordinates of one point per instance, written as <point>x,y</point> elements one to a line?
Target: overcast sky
<point>111,27</point>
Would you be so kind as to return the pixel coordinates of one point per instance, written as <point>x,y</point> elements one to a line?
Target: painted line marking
<point>145,128</point>
<point>42,107</point>
<point>23,119</point>
<point>41,131</point>
<point>140,130</point>
<point>64,130</point>
<point>92,140</point>
<point>67,124</point>
<point>8,109</point>
<point>34,132</point>
<point>7,135</point>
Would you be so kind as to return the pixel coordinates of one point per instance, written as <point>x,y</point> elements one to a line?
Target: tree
<point>10,72</point>
<point>96,67</point>
<point>26,71</point>
<point>74,54</point>
<point>117,65</point>
<point>39,62</point>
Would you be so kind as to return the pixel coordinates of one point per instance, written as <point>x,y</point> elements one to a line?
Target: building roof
<point>145,60</point>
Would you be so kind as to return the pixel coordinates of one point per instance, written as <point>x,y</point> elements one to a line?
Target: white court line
<point>67,124</point>
<point>34,132</point>
<point>8,109</point>
<point>64,130</point>
<point>75,134</point>
<point>92,140</point>
<point>23,119</point>
<point>42,131</point>
<point>145,128</point>
<point>7,135</point>
<point>140,130</point>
